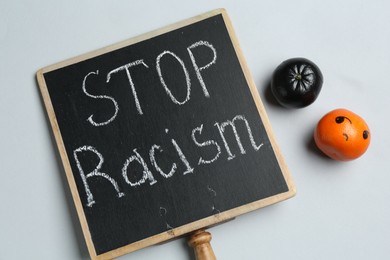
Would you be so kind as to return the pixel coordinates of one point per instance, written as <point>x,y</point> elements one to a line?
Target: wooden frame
<point>182,230</point>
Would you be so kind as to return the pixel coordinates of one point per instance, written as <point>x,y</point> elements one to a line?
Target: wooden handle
<point>200,242</point>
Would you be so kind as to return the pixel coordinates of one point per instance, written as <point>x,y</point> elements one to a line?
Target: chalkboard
<point>162,135</point>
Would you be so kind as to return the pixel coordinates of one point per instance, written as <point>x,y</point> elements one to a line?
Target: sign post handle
<point>200,242</point>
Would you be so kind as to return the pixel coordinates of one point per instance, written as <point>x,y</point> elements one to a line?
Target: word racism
<point>150,162</point>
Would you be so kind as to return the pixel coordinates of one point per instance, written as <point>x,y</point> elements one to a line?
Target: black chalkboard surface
<point>162,135</point>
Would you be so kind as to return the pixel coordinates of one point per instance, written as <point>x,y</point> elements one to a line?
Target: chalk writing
<point>182,157</point>
<point>188,81</point>
<point>196,133</point>
<point>221,128</point>
<point>199,69</point>
<point>90,119</point>
<point>147,174</point>
<point>126,68</point>
<point>95,172</point>
<point>206,143</point>
<point>154,163</point>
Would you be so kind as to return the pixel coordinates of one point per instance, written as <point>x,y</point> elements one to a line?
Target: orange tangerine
<point>342,135</point>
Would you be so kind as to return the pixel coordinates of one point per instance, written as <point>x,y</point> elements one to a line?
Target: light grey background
<point>341,210</point>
